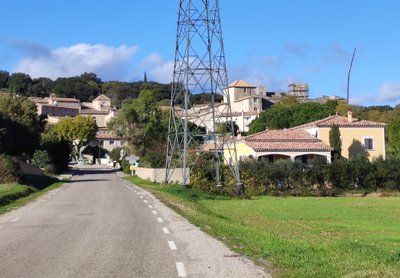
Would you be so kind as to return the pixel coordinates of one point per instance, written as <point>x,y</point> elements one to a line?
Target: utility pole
<point>200,67</point>
<point>348,76</point>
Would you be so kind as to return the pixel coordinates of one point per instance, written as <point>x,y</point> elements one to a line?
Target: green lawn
<point>16,195</point>
<point>300,236</point>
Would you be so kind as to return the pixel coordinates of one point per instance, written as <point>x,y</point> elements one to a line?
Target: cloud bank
<point>107,62</point>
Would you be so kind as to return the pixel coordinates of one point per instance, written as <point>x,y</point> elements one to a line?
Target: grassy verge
<point>303,236</point>
<point>13,196</point>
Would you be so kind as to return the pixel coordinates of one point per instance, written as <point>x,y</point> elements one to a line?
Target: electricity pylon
<point>200,67</point>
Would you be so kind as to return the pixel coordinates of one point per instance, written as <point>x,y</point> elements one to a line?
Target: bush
<point>292,178</point>
<point>40,159</point>
<point>59,153</point>
<point>387,174</point>
<point>115,155</point>
<point>153,160</point>
<point>9,169</point>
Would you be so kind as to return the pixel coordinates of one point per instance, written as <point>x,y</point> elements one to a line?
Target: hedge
<point>293,178</point>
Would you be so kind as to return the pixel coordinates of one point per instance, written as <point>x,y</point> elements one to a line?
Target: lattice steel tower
<point>200,68</point>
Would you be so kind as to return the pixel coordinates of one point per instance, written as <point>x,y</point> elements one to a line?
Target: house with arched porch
<point>273,145</point>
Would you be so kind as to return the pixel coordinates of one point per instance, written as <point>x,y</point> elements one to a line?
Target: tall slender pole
<point>348,76</point>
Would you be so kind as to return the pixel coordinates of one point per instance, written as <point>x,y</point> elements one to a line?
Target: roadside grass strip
<point>300,236</point>
<point>13,196</point>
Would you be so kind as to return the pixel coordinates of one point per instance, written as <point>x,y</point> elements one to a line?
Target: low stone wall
<point>158,174</point>
<point>28,169</point>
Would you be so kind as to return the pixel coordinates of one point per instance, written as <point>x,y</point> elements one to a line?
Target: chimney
<point>350,116</point>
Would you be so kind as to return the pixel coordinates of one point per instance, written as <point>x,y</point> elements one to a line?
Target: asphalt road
<point>98,226</point>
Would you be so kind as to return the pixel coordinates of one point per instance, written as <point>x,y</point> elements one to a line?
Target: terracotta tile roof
<point>60,107</point>
<point>88,111</point>
<point>59,99</point>
<point>107,135</point>
<point>241,84</point>
<point>102,97</point>
<point>285,140</point>
<point>341,122</point>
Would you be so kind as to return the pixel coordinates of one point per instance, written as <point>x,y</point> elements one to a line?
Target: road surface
<point>98,226</point>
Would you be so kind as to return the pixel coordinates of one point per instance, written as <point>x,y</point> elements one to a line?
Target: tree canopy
<point>281,116</point>
<point>393,134</point>
<point>141,123</point>
<point>78,131</point>
<point>20,125</point>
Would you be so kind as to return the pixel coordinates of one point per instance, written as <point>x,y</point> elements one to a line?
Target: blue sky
<point>269,43</point>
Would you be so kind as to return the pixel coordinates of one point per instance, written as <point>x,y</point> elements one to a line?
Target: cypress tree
<point>335,142</point>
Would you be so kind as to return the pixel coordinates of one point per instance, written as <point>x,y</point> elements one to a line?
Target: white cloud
<point>107,62</point>
<point>157,68</point>
<point>389,92</point>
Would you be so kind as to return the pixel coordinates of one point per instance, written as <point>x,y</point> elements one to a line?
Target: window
<point>368,143</point>
<point>112,142</point>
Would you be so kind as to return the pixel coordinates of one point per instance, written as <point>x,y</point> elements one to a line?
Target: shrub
<point>153,160</point>
<point>40,158</point>
<point>115,155</point>
<point>9,169</point>
<point>387,174</point>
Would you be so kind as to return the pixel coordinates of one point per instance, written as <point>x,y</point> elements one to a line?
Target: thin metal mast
<point>200,67</point>
<point>348,77</point>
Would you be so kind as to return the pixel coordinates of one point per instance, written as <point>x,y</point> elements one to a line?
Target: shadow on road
<point>87,180</point>
<point>95,171</point>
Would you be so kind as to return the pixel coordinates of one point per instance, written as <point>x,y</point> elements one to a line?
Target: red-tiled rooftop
<point>107,135</point>
<point>64,99</point>
<point>241,84</point>
<point>340,121</point>
<point>285,140</point>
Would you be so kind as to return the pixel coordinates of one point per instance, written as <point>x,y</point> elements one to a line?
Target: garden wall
<point>158,174</point>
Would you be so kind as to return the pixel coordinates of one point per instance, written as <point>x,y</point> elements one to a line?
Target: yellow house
<point>359,137</point>
<point>272,145</point>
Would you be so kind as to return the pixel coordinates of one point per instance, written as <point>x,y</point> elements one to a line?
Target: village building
<point>359,137</point>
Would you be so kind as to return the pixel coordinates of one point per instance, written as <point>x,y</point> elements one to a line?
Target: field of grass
<point>16,195</point>
<point>300,236</point>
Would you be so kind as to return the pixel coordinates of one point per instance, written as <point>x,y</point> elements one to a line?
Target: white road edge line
<point>15,219</point>
<point>155,212</point>
<point>165,230</point>
<point>160,220</point>
<point>180,268</point>
<point>172,245</point>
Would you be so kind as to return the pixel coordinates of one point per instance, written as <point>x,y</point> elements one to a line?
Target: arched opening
<point>273,157</point>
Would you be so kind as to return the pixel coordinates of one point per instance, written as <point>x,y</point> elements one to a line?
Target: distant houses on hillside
<point>247,101</point>
<point>55,108</point>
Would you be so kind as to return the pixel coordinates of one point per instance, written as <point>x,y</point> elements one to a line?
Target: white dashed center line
<point>172,245</point>
<point>15,219</point>
<point>165,230</point>
<point>145,201</point>
<point>180,268</point>
<point>150,206</point>
<point>155,212</point>
<point>141,197</point>
<point>160,220</point>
